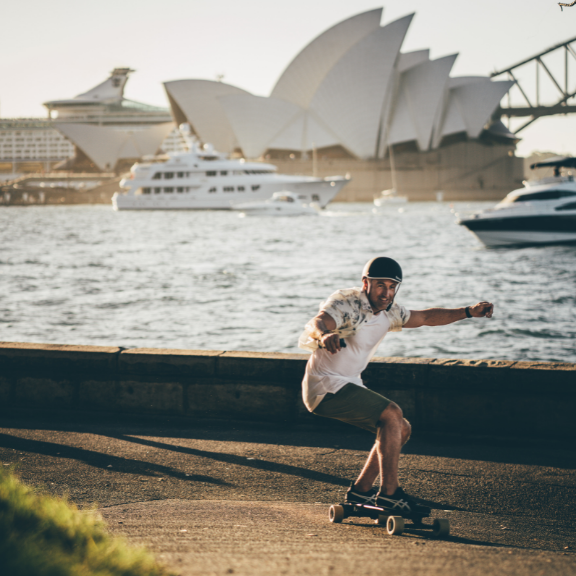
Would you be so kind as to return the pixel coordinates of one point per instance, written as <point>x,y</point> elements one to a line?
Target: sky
<point>58,49</point>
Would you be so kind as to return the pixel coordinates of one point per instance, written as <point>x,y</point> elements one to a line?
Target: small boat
<point>389,197</point>
<point>543,212</point>
<point>282,203</point>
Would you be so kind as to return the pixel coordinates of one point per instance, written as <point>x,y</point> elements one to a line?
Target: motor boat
<point>389,197</point>
<point>281,204</point>
<point>543,212</point>
<point>202,178</point>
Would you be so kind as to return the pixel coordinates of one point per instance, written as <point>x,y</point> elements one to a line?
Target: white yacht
<point>281,204</point>
<point>543,212</point>
<point>202,178</point>
<point>387,197</point>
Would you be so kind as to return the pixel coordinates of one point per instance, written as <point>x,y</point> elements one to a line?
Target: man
<point>343,338</point>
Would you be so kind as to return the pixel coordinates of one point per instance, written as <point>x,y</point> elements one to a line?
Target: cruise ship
<point>202,178</point>
<point>40,144</point>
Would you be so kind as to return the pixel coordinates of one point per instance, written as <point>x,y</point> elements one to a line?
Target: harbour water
<point>212,280</point>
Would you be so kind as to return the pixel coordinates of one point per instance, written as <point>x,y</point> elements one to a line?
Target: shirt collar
<point>364,302</point>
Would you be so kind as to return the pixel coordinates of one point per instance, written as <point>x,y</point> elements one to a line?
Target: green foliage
<point>45,536</point>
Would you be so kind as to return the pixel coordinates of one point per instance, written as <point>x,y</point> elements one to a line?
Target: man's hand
<point>331,342</point>
<point>481,310</point>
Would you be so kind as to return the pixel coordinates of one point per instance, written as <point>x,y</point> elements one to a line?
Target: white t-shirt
<point>327,373</point>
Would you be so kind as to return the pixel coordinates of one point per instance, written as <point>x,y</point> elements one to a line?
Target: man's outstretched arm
<point>443,316</point>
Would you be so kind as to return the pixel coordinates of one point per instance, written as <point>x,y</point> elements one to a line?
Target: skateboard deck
<point>395,523</point>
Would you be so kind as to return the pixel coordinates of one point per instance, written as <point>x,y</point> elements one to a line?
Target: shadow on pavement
<point>99,460</point>
<point>258,464</point>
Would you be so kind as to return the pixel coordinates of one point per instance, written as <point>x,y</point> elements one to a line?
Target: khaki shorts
<point>355,405</point>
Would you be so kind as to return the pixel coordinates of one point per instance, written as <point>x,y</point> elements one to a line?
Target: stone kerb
<point>57,358</point>
<point>210,384</point>
<point>253,385</point>
<point>152,380</point>
<point>159,362</point>
<point>50,375</point>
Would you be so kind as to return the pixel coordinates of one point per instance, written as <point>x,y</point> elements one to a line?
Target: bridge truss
<point>533,107</point>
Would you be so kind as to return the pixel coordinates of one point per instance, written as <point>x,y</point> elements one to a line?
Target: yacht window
<point>168,175</point>
<point>180,174</point>
<point>546,195</point>
<point>223,172</point>
<point>228,189</point>
<point>180,189</point>
<point>315,198</point>
<point>157,190</point>
<point>168,190</point>
<point>146,190</point>
<point>212,190</point>
<point>157,176</point>
<point>240,188</point>
<point>256,187</point>
<point>187,174</point>
<point>569,206</point>
<point>211,173</point>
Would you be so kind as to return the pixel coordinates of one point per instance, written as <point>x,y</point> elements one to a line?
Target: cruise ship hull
<point>320,191</point>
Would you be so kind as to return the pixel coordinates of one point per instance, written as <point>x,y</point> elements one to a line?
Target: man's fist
<point>331,342</point>
<point>482,309</point>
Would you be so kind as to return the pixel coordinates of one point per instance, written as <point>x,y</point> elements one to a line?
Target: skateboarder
<point>343,337</point>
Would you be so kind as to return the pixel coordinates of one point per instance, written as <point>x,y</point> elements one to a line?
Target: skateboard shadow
<point>428,536</point>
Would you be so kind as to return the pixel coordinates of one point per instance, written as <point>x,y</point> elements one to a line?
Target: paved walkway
<point>255,501</point>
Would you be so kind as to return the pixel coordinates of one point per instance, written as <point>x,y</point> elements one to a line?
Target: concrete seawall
<point>473,397</point>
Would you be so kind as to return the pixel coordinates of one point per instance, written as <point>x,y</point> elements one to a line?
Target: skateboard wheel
<point>441,528</point>
<point>336,514</point>
<point>395,525</point>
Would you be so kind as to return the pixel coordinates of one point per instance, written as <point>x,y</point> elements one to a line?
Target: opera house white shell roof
<point>351,86</point>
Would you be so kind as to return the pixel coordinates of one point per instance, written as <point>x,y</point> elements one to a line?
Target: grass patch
<point>41,535</point>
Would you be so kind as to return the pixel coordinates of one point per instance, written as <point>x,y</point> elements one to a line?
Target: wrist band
<point>467,310</point>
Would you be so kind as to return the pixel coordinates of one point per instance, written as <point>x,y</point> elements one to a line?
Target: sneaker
<point>401,503</point>
<point>354,496</point>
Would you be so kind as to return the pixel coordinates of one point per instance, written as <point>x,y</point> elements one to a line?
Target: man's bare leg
<point>370,471</point>
<point>393,433</point>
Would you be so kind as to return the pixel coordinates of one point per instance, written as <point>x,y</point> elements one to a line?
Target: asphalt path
<point>254,500</point>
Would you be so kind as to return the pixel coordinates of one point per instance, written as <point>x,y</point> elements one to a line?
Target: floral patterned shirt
<point>350,308</point>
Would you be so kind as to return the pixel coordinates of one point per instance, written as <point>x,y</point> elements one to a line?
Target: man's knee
<point>391,414</point>
<point>406,431</point>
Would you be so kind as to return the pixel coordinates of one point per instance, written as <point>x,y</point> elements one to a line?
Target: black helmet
<point>382,267</point>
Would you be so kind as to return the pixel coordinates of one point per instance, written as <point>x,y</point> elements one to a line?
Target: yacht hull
<point>320,191</point>
<point>544,229</point>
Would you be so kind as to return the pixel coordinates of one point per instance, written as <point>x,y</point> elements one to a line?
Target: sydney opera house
<point>349,101</point>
